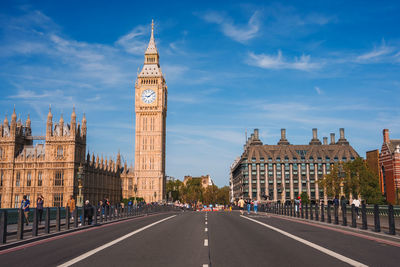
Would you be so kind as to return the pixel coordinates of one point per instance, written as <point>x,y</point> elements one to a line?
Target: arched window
<point>1,152</point>
<point>60,152</point>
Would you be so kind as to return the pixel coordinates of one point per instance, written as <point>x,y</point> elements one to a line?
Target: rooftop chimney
<point>325,140</point>
<point>386,136</point>
<point>315,140</point>
<point>256,134</point>
<point>333,139</point>
<point>342,140</point>
<point>283,140</point>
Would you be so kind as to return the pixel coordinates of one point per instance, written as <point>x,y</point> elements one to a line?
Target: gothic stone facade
<point>282,172</point>
<point>389,163</point>
<point>51,169</point>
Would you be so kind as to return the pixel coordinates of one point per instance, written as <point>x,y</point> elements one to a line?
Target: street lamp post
<point>80,186</point>
<point>155,196</point>
<point>135,190</point>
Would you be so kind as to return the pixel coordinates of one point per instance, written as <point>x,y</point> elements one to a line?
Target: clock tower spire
<point>150,130</point>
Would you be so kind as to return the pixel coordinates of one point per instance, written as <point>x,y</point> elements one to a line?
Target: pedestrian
<point>356,203</point>
<point>25,203</point>
<point>297,204</point>
<point>71,206</point>
<point>248,206</point>
<point>241,205</point>
<point>88,212</point>
<point>39,207</point>
<point>336,201</point>
<point>255,206</point>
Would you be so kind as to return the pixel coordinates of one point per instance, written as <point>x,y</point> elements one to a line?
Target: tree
<point>304,198</point>
<point>174,190</point>
<point>355,178</point>
<point>210,195</point>
<point>192,191</point>
<point>331,182</point>
<point>223,195</point>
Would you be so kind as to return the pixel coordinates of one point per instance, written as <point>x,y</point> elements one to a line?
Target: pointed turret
<point>119,160</point>
<point>84,127</point>
<point>49,124</point>
<point>5,123</point>
<point>73,122</point>
<point>13,123</point>
<point>28,122</point>
<point>151,66</point>
<point>151,48</point>
<point>61,125</point>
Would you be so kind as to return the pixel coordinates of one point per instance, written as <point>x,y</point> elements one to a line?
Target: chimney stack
<point>315,140</point>
<point>256,137</point>
<point>386,136</point>
<point>333,139</point>
<point>325,140</point>
<point>283,134</point>
<point>341,133</point>
<point>283,140</point>
<point>314,133</point>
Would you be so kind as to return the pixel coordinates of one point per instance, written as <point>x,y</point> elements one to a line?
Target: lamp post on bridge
<point>135,190</point>
<point>80,186</point>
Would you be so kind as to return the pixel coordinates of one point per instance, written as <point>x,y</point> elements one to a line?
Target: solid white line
<point>90,253</point>
<point>308,243</point>
<point>206,229</point>
<point>206,242</point>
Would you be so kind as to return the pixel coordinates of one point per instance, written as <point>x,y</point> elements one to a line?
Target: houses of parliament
<point>54,169</point>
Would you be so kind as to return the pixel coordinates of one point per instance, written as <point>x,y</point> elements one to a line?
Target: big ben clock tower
<point>151,113</point>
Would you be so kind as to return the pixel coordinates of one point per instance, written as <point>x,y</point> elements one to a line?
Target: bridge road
<point>232,240</point>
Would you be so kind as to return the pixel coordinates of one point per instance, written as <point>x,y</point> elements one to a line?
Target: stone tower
<point>151,113</point>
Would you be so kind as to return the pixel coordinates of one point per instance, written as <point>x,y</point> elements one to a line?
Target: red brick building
<point>389,162</point>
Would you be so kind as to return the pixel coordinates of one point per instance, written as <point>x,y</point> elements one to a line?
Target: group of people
<point>248,203</point>
<point>25,207</point>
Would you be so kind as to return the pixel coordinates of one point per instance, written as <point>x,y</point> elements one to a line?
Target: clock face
<point>148,96</point>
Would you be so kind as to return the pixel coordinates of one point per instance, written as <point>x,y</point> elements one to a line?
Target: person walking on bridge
<point>241,205</point>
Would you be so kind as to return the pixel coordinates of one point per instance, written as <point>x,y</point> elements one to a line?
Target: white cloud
<point>239,33</point>
<point>318,90</point>
<point>279,62</point>
<point>376,54</point>
<point>132,42</point>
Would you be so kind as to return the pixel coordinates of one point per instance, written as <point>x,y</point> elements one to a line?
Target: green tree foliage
<point>331,182</point>
<point>356,179</point>
<point>174,190</point>
<point>304,198</point>
<point>193,192</point>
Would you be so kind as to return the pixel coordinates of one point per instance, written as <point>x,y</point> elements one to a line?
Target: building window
<point>1,152</point>
<point>1,178</point>
<point>18,179</point>
<point>58,200</point>
<point>60,152</point>
<point>40,179</point>
<point>28,179</point>
<point>16,202</point>
<point>0,201</point>
<point>59,178</point>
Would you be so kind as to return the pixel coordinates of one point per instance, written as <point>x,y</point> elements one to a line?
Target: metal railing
<point>339,214</point>
<point>55,219</point>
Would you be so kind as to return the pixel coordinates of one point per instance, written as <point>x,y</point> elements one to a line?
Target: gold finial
<point>152,25</point>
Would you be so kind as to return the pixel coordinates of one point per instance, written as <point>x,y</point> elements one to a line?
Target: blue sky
<point>229,66</point>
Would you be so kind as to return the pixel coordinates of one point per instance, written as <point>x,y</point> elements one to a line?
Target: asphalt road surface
<point>206,239</point>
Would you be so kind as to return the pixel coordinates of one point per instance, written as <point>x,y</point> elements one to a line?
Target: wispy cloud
<point>239,33</point>
<point>377,54</point>
<point>318,90</point>
<point>279,62</point>
<point>134,42</point>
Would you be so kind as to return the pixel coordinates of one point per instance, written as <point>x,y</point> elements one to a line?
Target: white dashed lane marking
<point>206,242</point>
